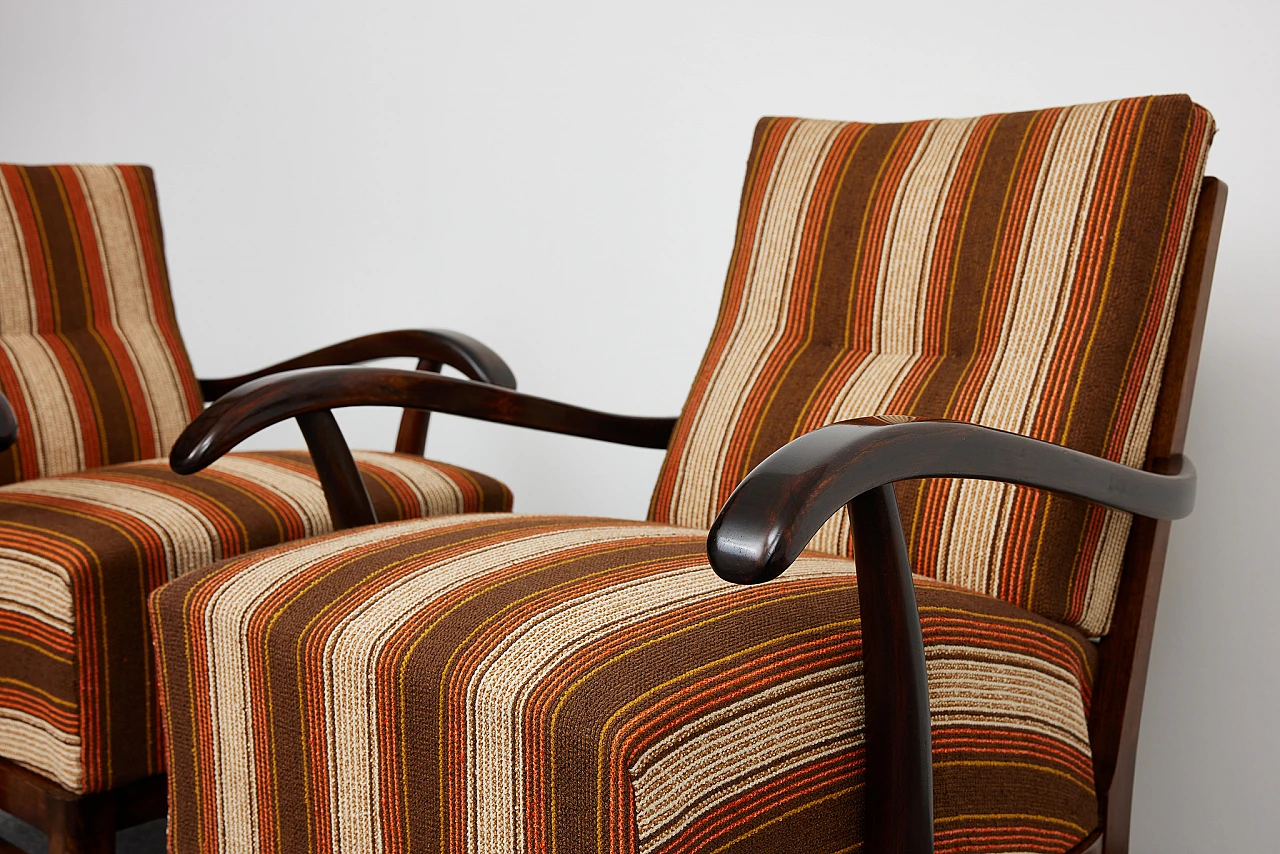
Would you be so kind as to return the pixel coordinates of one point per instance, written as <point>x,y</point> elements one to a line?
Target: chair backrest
<point>90,354</point>
<point>1019,271</point>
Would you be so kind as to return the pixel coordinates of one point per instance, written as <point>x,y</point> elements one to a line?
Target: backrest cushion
<point>1018,271</point>
<point>90,355</point>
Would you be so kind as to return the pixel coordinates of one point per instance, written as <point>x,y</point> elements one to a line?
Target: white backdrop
<point>561,181</point>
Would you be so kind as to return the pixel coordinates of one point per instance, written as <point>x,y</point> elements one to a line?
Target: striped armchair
<point>989,308</point>
<point>92,519</point>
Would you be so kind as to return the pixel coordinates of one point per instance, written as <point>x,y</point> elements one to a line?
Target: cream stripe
<point>49,403</point>
<point>186,536</point>
<point>355,645</point>
<point>107,220</point>
<point>44,748</point>
<point>702,765</point>
<point>1033,323</point>
<point>226,618</point>
<point>1103,585</point>
<point>760,324</point>
<point>37,587</point>
<point>902,290</point>
<point>500,690</point>
<point>697,767</point>
<point>131,313</point>
<point>17,302</point>
<point>988,693</point>
<point>435,492</point>
<point>57,434</point>
<point>37,744</point>
<point>1043,286</point>
<point>300,492</point>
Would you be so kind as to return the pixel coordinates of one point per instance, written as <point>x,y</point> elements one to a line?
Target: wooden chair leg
<point>82,826</point>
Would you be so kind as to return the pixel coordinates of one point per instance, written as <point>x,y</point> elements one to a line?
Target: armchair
<point>932,323</point>
<point>95,385</point>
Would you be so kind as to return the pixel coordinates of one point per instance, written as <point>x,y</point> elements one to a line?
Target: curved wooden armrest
<point>8,424</point>
<point>432,346</point>
<point>310,394</point>
<point>776,510</point>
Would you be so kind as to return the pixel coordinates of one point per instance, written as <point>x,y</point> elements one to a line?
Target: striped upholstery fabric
<point>1019,271</point>
<point>516,683</point>
<point>90,354</point>
<point>80,553</point>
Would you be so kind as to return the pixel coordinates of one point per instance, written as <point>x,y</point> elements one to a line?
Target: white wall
<point>561,181</point>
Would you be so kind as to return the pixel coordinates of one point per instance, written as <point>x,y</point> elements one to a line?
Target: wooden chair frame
<point>779,506</point>
<point>88,823</point>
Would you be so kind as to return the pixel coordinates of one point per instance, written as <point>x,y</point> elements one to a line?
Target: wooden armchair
<point>955,328</point>
<point>95,385</point>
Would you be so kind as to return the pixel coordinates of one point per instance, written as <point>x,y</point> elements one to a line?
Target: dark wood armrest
<point>8,424</point>
<point>310,394</point>
<point>431,347</point>
<point>439,346</point>
<point>776,510</point>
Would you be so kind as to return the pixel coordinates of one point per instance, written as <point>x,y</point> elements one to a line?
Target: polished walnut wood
<point>898,736</point>
<point>412,438</point>
<point>433,348</point>
<point>437,346</point>
<point>780,505</point>
<point>79,824</point>
<point>344,489</point>
<point>256,405</point>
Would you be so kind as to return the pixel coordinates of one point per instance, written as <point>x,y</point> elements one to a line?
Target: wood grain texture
<point>439,346</point>
<point>433,348</point>
<point>412,438</point>
<point>344,489</point>
<point>261,403</point>
<point>775,511</point>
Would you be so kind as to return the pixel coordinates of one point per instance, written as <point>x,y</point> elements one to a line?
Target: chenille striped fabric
<point>1018,271</point>
<point>541,684</point>
<point>80,553</point>
<point>90,353</point>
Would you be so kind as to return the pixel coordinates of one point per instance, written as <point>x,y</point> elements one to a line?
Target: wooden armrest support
<point>433,346</point>
<point>778,508</point>
<point>8,424</point>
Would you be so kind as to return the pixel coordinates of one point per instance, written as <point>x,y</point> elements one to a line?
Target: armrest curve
<point>780,505</point>
<point>473,358</point>
<point>260,403</point>
<point>8,424</point>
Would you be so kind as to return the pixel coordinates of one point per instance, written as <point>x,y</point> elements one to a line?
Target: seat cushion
<point>1019,271</point>
<point>514,683</point>
<point>80,553</point>
<point>90,353</point>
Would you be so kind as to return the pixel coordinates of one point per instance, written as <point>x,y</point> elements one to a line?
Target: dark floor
<point>144,839</point>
